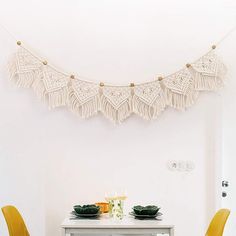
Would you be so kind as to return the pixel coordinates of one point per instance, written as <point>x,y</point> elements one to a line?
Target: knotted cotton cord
<point>226,36</point>
<point>86,98</point>
<point>86,79</point>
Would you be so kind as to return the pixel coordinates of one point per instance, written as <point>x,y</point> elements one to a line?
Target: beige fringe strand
<point>117,115</point>
<point>83,109</point>
<point>147,111</point>
<point>180,101</point>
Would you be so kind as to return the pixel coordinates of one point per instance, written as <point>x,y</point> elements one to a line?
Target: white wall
<point>51,160</point>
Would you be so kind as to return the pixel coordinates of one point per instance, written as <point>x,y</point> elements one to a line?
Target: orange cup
<point>104,207</point>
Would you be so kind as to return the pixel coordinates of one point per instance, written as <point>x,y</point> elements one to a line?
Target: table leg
<point>172,232</point>
<point>63,232</point>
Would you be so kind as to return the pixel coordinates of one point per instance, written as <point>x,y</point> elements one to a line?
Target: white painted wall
<point>51,160</point>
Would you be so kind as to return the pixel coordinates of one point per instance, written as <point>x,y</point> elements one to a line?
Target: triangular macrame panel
<point>148,100</point>
<point>51,86</point>
<point>208,72</point>
<point>116,102</point>
<point>179,89</point>
<point>83,98</point>
<point>23,68</point>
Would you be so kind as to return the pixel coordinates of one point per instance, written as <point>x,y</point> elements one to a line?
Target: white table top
<point>106,222</point>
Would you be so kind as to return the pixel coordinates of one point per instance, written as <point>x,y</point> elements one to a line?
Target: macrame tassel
<point>116,102</point>
<point>179,90</point>
<point>180,101</point>
<point>23,80</point>
<point>51,87</point>
<point>208,72</point>
<point>148,100</point>
<point>39,88</point>
<point>83,109</point>
<point>11,66</point>
<point>22,68</point>
<point>148,111</point>
<point>207,82</point>
<point>58,98</point>
<point>83,98</point>
<point>115,114</point>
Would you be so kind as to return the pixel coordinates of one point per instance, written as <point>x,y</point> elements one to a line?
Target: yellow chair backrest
<point>15,223</point>
<point>216,227</point>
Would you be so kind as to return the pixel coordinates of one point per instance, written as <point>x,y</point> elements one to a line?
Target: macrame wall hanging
<point>86,98</point>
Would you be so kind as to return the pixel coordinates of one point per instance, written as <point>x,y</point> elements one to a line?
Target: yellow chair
<point>15,223</point>
<point>216,227</point>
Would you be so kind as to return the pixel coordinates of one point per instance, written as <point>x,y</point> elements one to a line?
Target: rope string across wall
<point>86,98</point>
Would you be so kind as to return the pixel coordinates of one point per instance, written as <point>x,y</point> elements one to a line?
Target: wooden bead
<point>45,63</point>
<point>160,78</point>
<point>101,84</point>
<point>131,84</point>
<point>72,77</point>
<point>188,65</point>
<point>213,46</point>
<point>18,43</point>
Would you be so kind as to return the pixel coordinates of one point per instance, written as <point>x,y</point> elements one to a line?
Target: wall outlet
<point>179,165</point>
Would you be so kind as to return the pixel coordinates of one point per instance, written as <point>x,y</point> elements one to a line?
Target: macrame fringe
<point>180,101</point>
<point>213,78</point>
<point>24,80</point>
<point>39,88</point>
<point>84,110</point>
<point>158,106</point>
<point>146,111</point>
<point>11,66</point>
<point>206,82</point>
<point>53,99</point>
<point>116,115</point>
<point>58,98</point>
<point>52,87</point>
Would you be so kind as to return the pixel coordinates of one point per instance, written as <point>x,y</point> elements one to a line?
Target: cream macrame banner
<point>179,90</point>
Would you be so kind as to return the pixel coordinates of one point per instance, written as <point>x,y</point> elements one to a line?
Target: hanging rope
<point>86,98</point>
<point>84,77</point>
<point>226,36</point>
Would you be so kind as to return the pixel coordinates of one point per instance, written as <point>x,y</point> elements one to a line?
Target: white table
<point>105,225</point>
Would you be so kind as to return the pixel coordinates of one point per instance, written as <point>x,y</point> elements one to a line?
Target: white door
<point>228,188</point>
<point>229,191</point>
<point>228,194</point>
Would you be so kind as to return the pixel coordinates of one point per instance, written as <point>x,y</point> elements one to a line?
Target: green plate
<point>145,216</point>
<point>146,210</point>
<point>87,209</point>
<point>74,213</point>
